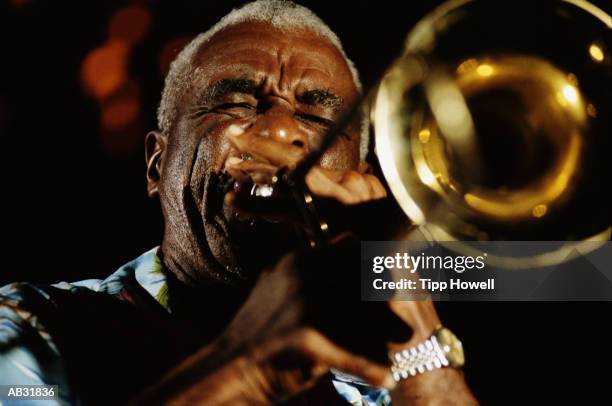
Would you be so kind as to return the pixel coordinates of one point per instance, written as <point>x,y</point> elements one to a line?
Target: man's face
<point>287,86</point>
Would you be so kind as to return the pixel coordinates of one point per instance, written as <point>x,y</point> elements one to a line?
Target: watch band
<point>426,356</point>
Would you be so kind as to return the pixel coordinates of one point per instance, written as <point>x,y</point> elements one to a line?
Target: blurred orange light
<point>119,112</point>
<point>120,125</point>
<point>130,24</point>
<point>170,50</point>
<point>104,69</point>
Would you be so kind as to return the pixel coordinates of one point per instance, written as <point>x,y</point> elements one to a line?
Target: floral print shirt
<point>29,354</point>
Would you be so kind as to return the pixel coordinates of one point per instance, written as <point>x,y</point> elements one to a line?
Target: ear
<point>155,150</point>
<point>364,168</point>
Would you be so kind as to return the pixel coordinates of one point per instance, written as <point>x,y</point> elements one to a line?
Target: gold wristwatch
<point>441,349</point>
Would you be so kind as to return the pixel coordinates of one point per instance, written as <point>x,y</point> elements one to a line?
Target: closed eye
<point>320,121</point>
<point>238,110</point>
<point>233,106</point>
<point>310,118</point>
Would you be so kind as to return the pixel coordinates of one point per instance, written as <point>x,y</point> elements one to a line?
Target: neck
<point>205,305</point>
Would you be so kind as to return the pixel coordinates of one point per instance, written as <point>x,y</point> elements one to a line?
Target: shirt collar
<point>148,272</point>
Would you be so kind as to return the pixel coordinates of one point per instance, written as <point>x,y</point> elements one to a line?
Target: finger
<point>321,185</point>
<point>266,149</point>
<point>325,351</point>
<point>361,187</point>
<point>334,175</point>
<point>378,190</point>
<point>357,185</point>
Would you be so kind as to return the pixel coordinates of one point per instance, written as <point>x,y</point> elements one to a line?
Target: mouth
<point>233,194</point>
<point>254,239</point>
<point>249,187</point>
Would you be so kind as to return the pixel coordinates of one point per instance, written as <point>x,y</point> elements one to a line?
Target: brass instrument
<point>495,124</point>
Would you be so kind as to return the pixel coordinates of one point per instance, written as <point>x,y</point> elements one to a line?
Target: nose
<point>279,124</point>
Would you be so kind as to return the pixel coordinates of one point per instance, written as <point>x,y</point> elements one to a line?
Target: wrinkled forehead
<point>256,49</point>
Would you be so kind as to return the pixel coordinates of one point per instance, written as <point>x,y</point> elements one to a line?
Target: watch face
<point>451,346</point>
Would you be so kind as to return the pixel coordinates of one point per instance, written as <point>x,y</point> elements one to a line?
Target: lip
<point>236,159</point>
<point>254,188</point>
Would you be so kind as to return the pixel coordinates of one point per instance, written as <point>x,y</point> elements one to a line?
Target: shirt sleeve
<point>28,355</point>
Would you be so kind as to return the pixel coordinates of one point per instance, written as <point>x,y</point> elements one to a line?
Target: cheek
<point>194,152</point>
<point>215,145</point>
<point>210,143</point>
<point>342,155</point>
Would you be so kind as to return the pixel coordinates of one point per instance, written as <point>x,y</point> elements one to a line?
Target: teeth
<point>262,190</point>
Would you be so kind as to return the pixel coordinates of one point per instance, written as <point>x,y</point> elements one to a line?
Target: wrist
<point>438,387</point>
<point>422,318</point>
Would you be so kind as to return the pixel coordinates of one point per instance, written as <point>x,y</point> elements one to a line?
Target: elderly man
<point>198,320</point>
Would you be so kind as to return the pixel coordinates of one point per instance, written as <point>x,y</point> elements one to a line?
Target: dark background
<point>73,188</point>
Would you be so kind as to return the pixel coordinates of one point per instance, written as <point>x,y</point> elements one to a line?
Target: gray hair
<point>281,14</point>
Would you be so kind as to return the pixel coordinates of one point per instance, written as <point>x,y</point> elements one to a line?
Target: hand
<point>296,324</point>
<point>313,322</point>
<point>267,374</point>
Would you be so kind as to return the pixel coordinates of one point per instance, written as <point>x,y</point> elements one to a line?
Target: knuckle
<point>307,336</point>
<point>378,190</point>
<point>349,199</point>
<point>373,180</point>
<point>352,177</point>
